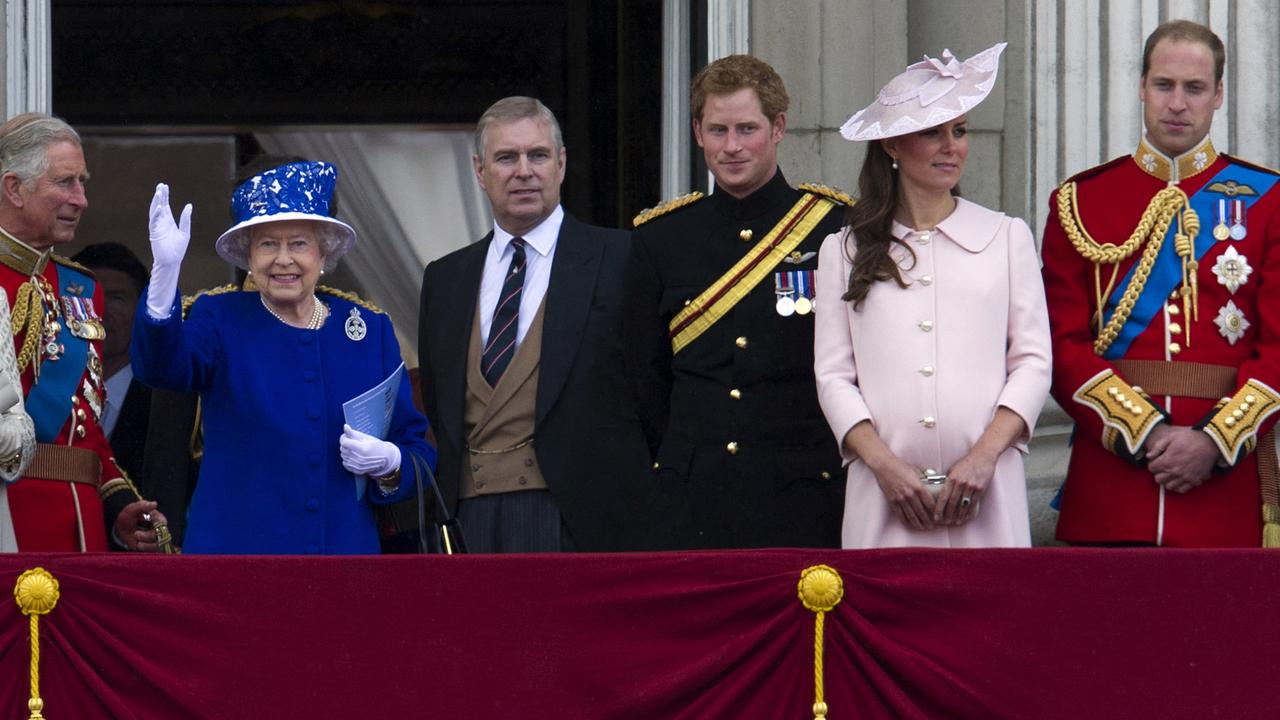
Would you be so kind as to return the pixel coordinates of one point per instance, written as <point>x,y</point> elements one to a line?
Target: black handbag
<point>404,526</point>
<point>444,535</point>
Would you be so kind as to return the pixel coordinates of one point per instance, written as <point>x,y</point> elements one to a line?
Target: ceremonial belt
<point>65,463</point>
<point>49,400</point>
<point>1212,382</point>
<point>1166,273</point>
<point>716,301</point>
<point>1179,379</point>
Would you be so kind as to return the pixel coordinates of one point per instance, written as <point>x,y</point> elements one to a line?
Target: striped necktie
<point>502,331</point>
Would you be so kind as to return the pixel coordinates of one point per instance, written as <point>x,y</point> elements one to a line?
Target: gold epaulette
<point>188,300</point>
<point>666,207</point>
<point>1234,427</point>
<point>1128,415</point>
<point>350,297</point>
<point>71,264</point>
<point>831,193</point>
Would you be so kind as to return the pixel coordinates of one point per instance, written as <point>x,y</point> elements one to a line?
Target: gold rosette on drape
<point>36,593</point>
<point>821,589</point>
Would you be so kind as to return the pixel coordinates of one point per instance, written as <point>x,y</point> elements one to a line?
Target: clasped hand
<point>1179,457</point>
<point>364,454</point>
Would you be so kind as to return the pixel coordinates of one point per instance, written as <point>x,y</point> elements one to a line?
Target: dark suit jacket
<point>587,436</point>
<point>129,436</point>
<point>151,442</point>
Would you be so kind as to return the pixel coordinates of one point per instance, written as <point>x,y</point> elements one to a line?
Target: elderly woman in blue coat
<point>282,472</point>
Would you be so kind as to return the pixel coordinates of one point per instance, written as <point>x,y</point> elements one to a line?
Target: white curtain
<point>411,197</point>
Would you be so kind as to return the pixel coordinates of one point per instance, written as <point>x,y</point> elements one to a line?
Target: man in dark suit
<point>155,455</point>
<point>522,370</point>
<point>124,415</point>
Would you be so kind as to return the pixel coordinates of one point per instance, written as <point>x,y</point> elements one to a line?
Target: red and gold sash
<point>713,303</point>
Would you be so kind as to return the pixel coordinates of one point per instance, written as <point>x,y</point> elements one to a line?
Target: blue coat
<point>272,480</point>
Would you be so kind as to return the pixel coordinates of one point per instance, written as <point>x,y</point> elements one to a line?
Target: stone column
<point>27,56</point>
<point>834,55</point>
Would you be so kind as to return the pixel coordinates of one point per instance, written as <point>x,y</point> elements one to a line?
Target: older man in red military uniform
<point>58,503</point>
<point>1158,267</point>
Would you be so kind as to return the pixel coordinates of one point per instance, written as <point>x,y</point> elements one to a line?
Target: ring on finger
<point>966,501</point>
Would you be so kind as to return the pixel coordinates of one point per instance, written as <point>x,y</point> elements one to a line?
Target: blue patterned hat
<point>297,191</point>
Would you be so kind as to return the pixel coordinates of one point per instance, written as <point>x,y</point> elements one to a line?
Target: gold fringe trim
<point>666,207</point>
<point>351,298</point>
<point>829,192</point>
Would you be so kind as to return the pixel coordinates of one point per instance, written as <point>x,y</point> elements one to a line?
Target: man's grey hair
<point>513,109</point>
<point>24,143</point>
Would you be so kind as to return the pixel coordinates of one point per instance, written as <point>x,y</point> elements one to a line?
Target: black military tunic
<point>744,455</point>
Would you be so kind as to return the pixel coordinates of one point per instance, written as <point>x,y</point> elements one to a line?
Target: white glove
<point>168,245</point>
<point>367,455</point>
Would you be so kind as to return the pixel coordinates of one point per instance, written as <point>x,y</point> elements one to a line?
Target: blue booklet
<point>370,413</point>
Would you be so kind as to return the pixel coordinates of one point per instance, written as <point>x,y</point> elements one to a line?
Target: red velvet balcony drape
<point>1046,633</point>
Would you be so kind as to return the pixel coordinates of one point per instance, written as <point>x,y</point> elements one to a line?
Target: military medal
<point>1221,231</point>
<point>804,285</point>
<point>91,396</point>
<point>783,288</point>
<point>82,319</point>
<point>355,327</point>
<point>1232,269</point>
<point>1238,230</point>
<point>1231,322</point>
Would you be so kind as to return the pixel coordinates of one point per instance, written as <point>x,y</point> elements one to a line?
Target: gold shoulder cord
<point>1169,204</point>
<point>351,298</point>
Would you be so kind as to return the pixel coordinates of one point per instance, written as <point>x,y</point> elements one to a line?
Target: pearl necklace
<point>317,313</point>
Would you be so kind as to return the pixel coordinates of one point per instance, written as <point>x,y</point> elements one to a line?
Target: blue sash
<point>49,401</point>
<point>1166,273</point>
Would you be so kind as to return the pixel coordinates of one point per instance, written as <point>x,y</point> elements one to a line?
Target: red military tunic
<point>59,515</point>
<point>1217,371</point>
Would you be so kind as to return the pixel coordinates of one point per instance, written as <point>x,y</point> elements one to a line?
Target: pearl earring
<point>895,163</point>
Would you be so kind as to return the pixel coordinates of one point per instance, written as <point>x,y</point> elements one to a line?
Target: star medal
<point>1232,269</point>
<point>355,327</point>
<point>1238,230</point>
<point>1231,322</point>
<point>783,288</point>
<point>1220,230</point>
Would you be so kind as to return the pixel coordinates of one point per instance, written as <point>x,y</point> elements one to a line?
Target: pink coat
<point>929,364</point>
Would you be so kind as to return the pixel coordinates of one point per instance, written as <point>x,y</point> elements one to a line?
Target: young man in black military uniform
<point>720,327</point>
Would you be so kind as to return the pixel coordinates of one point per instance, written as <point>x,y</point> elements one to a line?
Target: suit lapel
<point>457,308</point>
<point>568,303</point>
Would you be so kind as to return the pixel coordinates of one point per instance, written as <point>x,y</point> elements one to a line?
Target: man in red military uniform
<point>58,503</point>
<point>1158,267</point>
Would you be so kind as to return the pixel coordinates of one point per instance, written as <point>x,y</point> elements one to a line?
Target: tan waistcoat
<point>498,421</point>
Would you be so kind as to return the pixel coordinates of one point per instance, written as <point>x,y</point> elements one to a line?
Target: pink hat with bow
<point>925,95</point>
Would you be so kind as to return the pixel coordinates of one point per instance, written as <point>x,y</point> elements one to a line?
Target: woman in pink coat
<point>931,341</point>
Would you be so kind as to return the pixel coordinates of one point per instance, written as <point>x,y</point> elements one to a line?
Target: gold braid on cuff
<point>1234,427</point>
<point>1125,410</point>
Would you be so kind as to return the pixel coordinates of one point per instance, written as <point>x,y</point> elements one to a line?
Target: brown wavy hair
<point>733,73</point>
<point>870,220</point>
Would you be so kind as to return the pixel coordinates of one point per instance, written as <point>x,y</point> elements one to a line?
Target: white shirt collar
<point>542,238</point>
